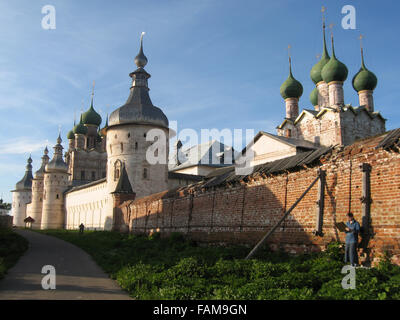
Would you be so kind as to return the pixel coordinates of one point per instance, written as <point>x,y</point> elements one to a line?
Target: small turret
<point>364,82</point>
<point>22,195</point>
<point>55,183</point>
<point>35,208</point>
<point>291,90</point>
<point>334,73</point>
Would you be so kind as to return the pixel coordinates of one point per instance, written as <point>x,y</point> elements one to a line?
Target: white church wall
<point>91,206</point>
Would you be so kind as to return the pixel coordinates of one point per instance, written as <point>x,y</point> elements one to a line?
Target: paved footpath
<point>77,275</point>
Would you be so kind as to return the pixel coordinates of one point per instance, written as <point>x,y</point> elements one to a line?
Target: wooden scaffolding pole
<point>270,232</point>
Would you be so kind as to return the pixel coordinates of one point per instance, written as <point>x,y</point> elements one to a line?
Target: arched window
<point>136,145</point>
<point>145,173</point>
<point>122,147</point>
<point>117,169</point>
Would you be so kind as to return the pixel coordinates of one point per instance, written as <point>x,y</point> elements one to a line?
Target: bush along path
<point>175,268</point>
<point>12,247</point>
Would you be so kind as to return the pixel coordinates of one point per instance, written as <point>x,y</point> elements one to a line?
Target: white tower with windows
<point>137,131</point>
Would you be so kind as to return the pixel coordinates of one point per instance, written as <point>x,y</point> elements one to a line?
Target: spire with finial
<point>91,117</point>
<point>57,163</point>
<point>315,73</point>
<point>141,59</point>
<point>138,108</point>
<point>45,161</point>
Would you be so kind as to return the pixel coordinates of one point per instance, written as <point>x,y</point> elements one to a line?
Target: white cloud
<point>22,145</point>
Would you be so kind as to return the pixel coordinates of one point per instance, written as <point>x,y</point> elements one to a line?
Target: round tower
<point>36,207</point>
<point>22,195</point>
<point>130,136</point>
<point>55,183</point>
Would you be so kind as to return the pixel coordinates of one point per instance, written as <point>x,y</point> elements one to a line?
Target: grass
<point>12,246</point>
<point>175,268</point>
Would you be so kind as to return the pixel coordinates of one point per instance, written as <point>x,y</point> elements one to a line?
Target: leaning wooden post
<point>320,203</point>
<point>269,233</point>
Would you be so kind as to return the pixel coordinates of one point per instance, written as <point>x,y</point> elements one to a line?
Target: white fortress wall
<point>89,205</point>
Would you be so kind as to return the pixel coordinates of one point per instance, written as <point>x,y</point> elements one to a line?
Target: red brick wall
<point>245,212</point>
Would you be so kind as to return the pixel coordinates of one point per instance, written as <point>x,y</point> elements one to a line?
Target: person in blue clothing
<point>352,231</point>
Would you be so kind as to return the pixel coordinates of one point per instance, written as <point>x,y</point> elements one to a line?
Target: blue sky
<point>214,63</point>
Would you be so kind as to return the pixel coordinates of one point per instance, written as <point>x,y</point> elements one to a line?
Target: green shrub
<point>12,246</point>
<point>151,267</point>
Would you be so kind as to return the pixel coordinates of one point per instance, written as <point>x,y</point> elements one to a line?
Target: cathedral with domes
<point>105,166</point>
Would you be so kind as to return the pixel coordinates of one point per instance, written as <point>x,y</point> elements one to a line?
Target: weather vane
<point>93,88</point>
<point>323,9</point>
<point>59,129</point>
<point>318,56</point>
<point>361,37</point>
<point>331,27</point>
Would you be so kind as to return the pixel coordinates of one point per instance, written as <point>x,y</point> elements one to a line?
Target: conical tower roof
<point>45,160</point>
<point>57,164</point>
<point>139,109</point>
<point>26,182</point>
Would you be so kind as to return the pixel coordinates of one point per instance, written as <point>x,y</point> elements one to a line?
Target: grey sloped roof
<point>184,176</point>
<point>123,185</point>
<point>391,138</point>
<point>139,108</point>
<point>202,154</point>
<point>26,182</point>
<point>228,175</point>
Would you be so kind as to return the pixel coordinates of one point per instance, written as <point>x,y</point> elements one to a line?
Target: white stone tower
<point>36,206</point>
<point>130,134</point>
<point>55,183</point>
<point>22,196</point>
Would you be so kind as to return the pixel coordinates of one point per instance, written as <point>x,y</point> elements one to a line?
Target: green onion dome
<point>315,73</point>
<point>91,117</point>
<point>70,135</point>
<point>291,88</point>
<point>314,97</point>
<point>80,128</point>
<point>364,79</point>
<point>334,70</point>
